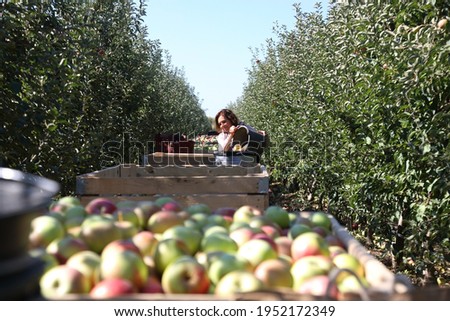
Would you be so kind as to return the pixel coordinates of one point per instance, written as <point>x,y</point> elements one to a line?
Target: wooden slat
<point>214,201</point>
<point>172,184</point>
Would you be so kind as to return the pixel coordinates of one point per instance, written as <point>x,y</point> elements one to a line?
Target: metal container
<point>23,196</point>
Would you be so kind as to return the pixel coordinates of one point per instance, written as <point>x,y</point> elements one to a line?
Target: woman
<point>226,124</point>
<point>229,126</point>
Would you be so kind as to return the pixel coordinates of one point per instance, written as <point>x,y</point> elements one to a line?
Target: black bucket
<point>250,139</point>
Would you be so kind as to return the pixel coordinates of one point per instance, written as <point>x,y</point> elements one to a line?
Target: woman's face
<point>224,123</point>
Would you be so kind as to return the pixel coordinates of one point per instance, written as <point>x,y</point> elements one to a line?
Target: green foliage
<point>81,87</point>
<point>357,106</point>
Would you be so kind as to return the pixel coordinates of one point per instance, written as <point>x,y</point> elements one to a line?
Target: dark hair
<point>228,114</point>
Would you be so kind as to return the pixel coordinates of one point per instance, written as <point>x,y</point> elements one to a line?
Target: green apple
<point>321,219</point>
<point>167,251</point>
<point>225,263</point>
<point>257,251</point>
<point>237,282</point>
<point>190,236</point>
<point>127,229</point>
<point>218,242</point>
<point>88,263</point>
<point>212,229</point>
<point>45,229</point>
<point>127,214</point>
<point>297,229</point>
<point>278,215</point>
<point>63,280</point>
<point>309,243</point>
<point>185,275</point>
<point>350,262</point>
<point>245,213</point>
<point>145,209</point>
<point>309,266</point>
<point>242,235</point>
<point>274,273</point>
<point>198,208</point>
<point>99,230</point>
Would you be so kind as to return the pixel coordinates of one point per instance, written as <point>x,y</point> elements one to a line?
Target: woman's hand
<point>233,129</point>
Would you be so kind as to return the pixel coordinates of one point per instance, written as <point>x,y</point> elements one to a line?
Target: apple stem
<point>120,216</point>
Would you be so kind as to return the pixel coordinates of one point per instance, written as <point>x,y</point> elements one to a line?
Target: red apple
<point>153,285</point>
<point>242,235</point>
<point>309,243</point>
<point>265,237</point>
<point>146,242</point>
<point>225,211</point>
<point>112,288</point>
<point>319,286</point>
<point>163,220</point>
<point>284,244</point>
<point>172,206</point>
<point>101,205</point>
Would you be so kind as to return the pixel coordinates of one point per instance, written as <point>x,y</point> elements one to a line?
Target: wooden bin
<point>215,186</point>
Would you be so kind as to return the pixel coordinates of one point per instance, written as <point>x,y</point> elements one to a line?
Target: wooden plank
<point>172,184</point>
<point>214,201</point>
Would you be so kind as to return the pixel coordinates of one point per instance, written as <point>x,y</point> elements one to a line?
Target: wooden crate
<point>216,186</point>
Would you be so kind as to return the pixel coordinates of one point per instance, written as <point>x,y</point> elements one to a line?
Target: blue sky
<point>211,40</point>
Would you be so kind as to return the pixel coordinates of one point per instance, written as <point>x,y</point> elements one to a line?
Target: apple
<point>191,237</point>
<point>274,273</point>
<point>112,288</point>
<point>201,219</point>
<point>167,251</point>
<point>171,206</point>
<point>284,244</point>
<point>213,229</point>
<point>216,220</point>
<point>124,264</point>
<point>225,263</point>
<point>297,229</point>
<point>218,242</point>
<point>99,230</point>
<point>146,242</point>
<point>278,215</point>
<point>321,219</point>
<point>145,209</point>
<point>160,201</point>
<point>88,263</point>
<point>237,282</point>
<point>120,245</point>
<point>350,262</point>
<point>309,243</point>
<point>127,214</point>
<point>225,211</point>
<point>245,213</point>
<point>163,220</point>
<point>127,229</point>
<point>257,251</point>
<point>198,208</point>
<point>185,275</point>
<point>45,229</point>
<point>321,231</point>
<point>65,247</point>
<point>101,205</point>
<point>64,203</point>
<point>126,204</point>
<point>309,266</point>
<point>242,235</point>
<point>152,285</point>
<point>335,250</point>
<point>352,284</point>
<point>265,237</point>
<point>75,213</point>
<point>271,231</point>
<point>62,280</point>
<point>319,286</point>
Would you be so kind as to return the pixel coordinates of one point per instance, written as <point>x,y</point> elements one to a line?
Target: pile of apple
<point>106,250</point>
